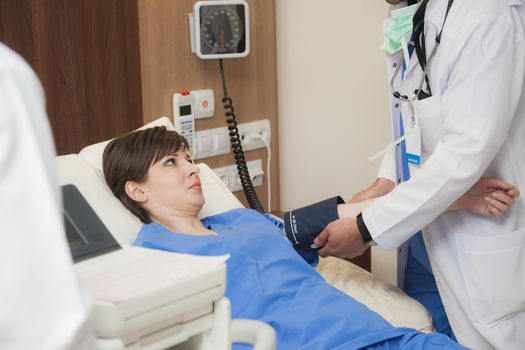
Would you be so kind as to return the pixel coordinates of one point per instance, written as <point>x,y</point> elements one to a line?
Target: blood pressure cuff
<point>302,225</point>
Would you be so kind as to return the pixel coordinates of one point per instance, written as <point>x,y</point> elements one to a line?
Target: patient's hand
<point>488,197</point>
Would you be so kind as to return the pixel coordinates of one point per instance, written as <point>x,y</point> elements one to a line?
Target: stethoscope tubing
<point>424,76</point>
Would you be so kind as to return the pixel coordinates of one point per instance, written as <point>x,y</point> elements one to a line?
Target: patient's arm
<point>378,188</point>
<point>488,197</point>
<point>352,209</point>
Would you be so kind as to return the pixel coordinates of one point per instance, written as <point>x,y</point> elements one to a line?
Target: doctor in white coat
<point>472,124</point>
<point>42,306</point>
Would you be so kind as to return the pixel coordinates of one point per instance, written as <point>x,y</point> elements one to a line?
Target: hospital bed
<point>149,299</point>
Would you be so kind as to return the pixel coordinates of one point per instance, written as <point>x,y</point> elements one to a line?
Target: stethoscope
<point>419,35</point>
<point>419,43</point>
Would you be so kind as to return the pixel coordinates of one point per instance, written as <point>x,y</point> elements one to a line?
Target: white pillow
<point>218,197</point>
<point>93,153</point>
<point>73,169</point>
<point>84,170</point>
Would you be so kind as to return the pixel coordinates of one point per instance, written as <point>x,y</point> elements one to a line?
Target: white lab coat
<point>473,126</point>
<point>42,304</point>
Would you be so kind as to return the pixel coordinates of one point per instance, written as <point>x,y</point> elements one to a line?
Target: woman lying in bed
<point>267,280</point>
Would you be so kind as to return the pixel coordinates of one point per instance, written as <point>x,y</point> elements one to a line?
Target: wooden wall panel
<point>87,56</point>
<point>16,27</point>
<point>169,66</point>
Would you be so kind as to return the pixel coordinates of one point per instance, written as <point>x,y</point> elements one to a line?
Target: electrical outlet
<point>251,132</point>
<point>230,176</point>
<point>211,142</point>
<point>224,175</point>
<point>256,175</point>
<point>214,142</point>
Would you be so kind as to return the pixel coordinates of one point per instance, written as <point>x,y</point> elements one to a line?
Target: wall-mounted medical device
<point>183,116</point>
<point>220,29</point>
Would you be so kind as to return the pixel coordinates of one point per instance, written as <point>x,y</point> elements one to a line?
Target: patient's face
<point>173,186</point>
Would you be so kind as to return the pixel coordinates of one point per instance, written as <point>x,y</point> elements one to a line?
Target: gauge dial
<point>222,29</point>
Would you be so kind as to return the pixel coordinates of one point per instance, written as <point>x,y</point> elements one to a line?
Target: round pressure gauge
<point>221,28</point>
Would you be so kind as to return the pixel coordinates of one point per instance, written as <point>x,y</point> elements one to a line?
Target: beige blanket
<point>388,301</point>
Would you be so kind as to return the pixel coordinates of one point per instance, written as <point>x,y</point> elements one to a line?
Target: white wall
<point>333,97</point>
<point>333,100</point>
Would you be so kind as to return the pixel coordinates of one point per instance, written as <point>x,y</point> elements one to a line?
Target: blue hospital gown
<point>268,280</point>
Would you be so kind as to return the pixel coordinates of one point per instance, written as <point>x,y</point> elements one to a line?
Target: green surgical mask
<point>400,29</point>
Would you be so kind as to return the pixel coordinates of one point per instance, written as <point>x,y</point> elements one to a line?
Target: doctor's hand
<point>342,239</point>
<point>488,197</point>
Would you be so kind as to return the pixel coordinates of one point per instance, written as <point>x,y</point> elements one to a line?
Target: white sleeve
<point>387,169</point>
<point>42,304</point>
<point>479,105</point>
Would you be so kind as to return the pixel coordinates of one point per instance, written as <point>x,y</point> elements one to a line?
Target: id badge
<point>413,147</point>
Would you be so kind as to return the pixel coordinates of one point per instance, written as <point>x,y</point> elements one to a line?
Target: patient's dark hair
<point>129,157</point>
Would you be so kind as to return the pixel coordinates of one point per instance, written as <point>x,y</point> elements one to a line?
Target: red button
<point>184,93</point>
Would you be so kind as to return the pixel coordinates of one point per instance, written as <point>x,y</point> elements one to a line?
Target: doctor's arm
<point>475,128</point>
<point>488,197</point>
<point>477,107</point>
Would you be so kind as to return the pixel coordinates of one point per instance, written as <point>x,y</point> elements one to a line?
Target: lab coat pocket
<point>493,269</point>
<point>429,115</point>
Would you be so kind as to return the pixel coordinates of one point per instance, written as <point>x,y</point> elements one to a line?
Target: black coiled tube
<point>238,154</point>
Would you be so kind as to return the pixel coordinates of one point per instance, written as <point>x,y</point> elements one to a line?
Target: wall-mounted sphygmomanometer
<point>220,29</point>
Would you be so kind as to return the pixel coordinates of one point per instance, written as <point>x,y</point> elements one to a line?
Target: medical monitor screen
<point>86,233</point>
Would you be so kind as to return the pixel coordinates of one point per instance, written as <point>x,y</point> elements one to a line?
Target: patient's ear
<point>135,192</point>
